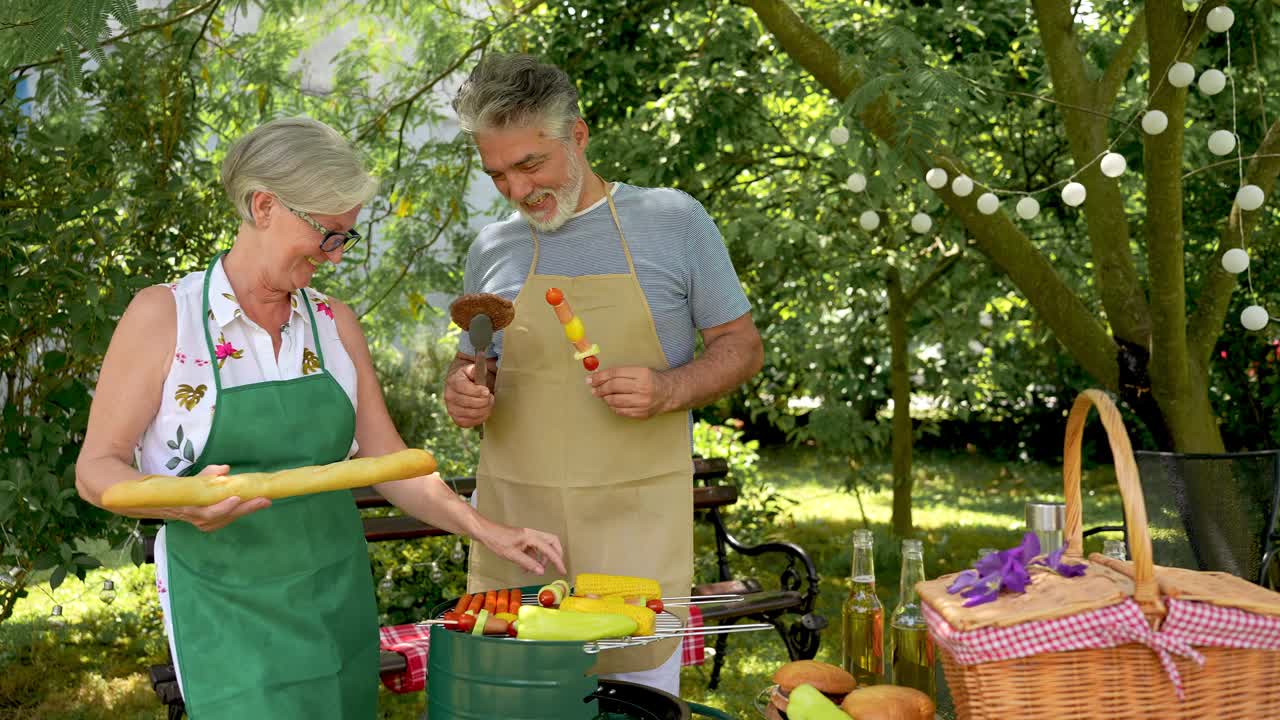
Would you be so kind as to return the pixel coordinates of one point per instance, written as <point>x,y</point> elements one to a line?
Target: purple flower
<point>1054,562</point>
<point>1008,570</point>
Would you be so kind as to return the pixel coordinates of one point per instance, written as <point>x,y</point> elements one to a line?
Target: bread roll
<point>888,702</point>
<point>829,679</point>
<point>155,491</point>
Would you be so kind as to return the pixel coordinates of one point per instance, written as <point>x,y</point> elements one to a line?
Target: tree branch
<point>374,124</point>
<point>124,35</point>
<point>1007,247</point>
<point>1118,69</point>
<point>948,261</point>
<point>1108,227</point>
<point>1214,296</point>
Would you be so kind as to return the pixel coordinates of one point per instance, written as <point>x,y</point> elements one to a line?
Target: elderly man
<point>599,457</point>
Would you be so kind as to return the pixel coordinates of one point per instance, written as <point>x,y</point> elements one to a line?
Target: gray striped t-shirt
<point>680,258</point>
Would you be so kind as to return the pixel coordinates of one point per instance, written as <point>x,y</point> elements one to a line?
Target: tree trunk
<point>900,379</point>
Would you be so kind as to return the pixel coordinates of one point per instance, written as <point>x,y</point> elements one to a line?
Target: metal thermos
<point>1047,520</point>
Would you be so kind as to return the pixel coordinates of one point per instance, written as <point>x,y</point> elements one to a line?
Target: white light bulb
<point>1113,165</point>
<point>921,223</point>
<point>857,182</point>
<point>1073,194</point>
<point>1221,142</point>
<point>985,320</point>
<point>988,203</point>
<point>962,186</point>
<point>1181,74</point>
<point>1154,122</point>
<point>1028,207</point>
<point>976,347</point>
<point>1250,197</point>
<point>936,178</point>
<point>1235,261</point>
<point>1220,19</point>
<point>869,220</point>
<point>1254,317</point>
<point>839,135</point>
<point>1212,82</point>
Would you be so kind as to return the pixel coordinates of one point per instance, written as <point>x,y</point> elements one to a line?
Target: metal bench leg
<point>718,662</point>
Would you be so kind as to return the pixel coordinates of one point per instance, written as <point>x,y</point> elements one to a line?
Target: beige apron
<point>617,491</point>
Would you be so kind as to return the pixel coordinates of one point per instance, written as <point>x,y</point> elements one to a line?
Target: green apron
<point>274,615</point>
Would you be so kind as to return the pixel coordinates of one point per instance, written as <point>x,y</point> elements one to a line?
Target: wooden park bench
<point>789,608</point>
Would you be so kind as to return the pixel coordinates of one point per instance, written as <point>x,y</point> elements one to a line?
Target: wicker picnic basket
<point>1125,640</point>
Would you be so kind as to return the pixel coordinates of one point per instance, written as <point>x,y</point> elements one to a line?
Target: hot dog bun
<point>154,491</point>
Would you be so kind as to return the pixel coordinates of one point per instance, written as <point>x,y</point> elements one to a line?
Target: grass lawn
<point>95,667</point>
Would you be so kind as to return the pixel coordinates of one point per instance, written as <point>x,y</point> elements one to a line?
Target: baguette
<point>153,491</point>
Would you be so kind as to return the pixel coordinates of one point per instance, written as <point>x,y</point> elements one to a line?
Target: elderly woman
<point>269,606</point>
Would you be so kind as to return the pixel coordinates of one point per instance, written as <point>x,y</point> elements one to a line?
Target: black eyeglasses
<point>333,239</point>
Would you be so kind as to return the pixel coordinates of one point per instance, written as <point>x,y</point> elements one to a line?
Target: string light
<point>1254,317</point>
<point>1222,142</point>
<point>869,220</point>
<point>1235,261</point>
<point>857,182</point>
<point>1212,82</point>
<point>1074,194</point>
<point>1220,19</point>
<point>921,223</point>
<point>962,186</point>
<point>1028,207</point>
<point>1181,74</point>
<point>458,554</point>
<point>1113,164</point>
<point>988,203</point>
<point>839,135</point>
<point>936,178</point>
<point>1154,122</point>
<point>1250,197</point>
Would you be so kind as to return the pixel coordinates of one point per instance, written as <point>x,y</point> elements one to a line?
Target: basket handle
<point>1146,593</point>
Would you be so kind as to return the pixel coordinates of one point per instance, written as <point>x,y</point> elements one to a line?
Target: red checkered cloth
<point>1186,626</point>
<point>411,641</point>
<point>693,648</point>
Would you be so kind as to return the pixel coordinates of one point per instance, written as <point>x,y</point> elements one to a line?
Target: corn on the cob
<point>599,584</point>
<point>646,621</point>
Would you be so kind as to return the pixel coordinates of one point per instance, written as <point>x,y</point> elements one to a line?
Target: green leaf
<point>59,574</point>
<point>188,451</point>
<point>125,12</point>
<point>138,554</point>
<point>173,463</point>
<point>54,360</point>
<point>173,445</point>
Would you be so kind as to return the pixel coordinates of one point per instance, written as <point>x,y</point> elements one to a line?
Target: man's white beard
<point>566,199</point>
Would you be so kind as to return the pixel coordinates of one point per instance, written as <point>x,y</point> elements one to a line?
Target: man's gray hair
<point>506,91</point>
<point>307,164</point>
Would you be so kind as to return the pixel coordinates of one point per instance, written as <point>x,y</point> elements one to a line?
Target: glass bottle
<point>863,615</point>
<point>911,649</point>
<point>1114,549</point>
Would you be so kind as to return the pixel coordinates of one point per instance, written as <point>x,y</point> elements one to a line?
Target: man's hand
<point>220,515</point>
<point>468,402</point>
<point>634,392</point>
<point>531,549</point>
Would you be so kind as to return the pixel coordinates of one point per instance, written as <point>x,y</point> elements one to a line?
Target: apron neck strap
<point>617,223</point>
<point>208,336</point>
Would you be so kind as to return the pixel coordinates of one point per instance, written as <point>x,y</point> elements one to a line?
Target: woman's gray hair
<point>507,91</point>
<point>305,163</point>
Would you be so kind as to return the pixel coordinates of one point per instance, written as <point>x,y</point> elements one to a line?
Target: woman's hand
<point>526,547</point>
<point>219,515</point>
